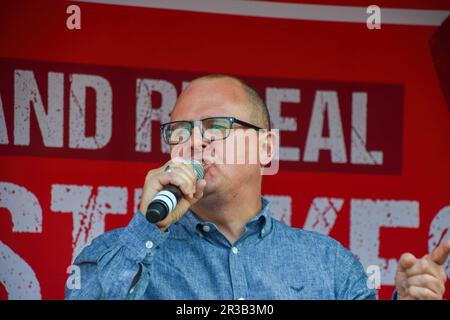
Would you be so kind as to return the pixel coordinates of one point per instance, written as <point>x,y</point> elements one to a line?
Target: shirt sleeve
<point>109,265</point>
<point>350,276</point>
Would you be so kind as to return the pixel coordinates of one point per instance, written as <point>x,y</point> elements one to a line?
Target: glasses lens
<point>177,132</point>
<point>216,128</point>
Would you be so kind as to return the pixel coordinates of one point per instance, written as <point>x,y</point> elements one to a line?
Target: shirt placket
<point>237,273</point>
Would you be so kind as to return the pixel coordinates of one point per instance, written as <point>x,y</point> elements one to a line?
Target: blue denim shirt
<point>193,260</point>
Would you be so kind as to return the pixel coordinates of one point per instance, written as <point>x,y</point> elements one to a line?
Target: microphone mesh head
<point>198,168</point>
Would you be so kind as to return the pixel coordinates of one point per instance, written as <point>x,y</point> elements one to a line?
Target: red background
<point>118,36</point>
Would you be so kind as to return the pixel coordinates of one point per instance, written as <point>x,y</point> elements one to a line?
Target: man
<point>220,242</point>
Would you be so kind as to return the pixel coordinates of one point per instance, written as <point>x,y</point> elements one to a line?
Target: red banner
<point>77,111</point>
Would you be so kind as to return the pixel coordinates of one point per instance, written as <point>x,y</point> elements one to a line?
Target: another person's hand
<point>182,175</point>
<point>423,278</point>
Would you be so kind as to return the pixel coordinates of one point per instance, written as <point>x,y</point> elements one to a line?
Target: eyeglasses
<point>212,129</point>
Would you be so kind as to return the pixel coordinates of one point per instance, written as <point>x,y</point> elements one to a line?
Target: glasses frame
<point>199,123</point>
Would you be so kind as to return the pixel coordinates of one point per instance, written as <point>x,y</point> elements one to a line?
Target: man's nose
<point>197,141</point>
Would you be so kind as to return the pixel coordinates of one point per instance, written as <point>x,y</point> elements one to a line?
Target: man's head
<point>217,96</point>
<point>255,104</point>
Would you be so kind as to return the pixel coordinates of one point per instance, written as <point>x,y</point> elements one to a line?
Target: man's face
<point>207,98</point>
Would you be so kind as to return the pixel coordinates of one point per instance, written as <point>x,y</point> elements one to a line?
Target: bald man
<point>220,241</point>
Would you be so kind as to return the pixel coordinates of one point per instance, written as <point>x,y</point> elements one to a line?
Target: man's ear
<point>267,146</point>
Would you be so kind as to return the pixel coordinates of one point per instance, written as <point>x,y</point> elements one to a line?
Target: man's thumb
<point>407,260</point>
<point>440,253</point>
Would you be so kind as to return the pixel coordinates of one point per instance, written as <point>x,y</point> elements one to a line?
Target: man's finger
<point>427,281</point>
<point>441,252</point>
<point>199,187</point>
<point>422,293</point>
<point>425,266</point>
<point>189,182</point>
<point>407,260</point>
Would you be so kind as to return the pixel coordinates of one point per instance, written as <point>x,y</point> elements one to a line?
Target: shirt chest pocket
<point>308,290</point>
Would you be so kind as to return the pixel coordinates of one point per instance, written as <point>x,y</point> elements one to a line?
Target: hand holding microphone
<point>170,190</point>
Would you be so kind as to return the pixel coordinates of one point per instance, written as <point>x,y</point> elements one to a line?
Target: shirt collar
<point>262,222</point>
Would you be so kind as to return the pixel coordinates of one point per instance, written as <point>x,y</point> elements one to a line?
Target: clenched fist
<point>182,175</point>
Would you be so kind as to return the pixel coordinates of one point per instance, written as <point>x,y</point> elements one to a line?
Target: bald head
<point>240,90</point>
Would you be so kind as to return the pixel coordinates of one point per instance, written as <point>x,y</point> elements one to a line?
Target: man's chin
<point>212,181</point>
<point>209,189</point>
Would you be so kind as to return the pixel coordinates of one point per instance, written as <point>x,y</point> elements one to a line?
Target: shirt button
<point>206,228</point>
<point>149,244</point>
<point>263,231</point>
<point>235,250</point>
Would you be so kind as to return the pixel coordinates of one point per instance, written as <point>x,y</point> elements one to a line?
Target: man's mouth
<point>206,164</point>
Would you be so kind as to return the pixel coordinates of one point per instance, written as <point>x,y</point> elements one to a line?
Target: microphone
<point>166,200</point>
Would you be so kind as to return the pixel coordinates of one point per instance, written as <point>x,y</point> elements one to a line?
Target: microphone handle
<point>164,202</point>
